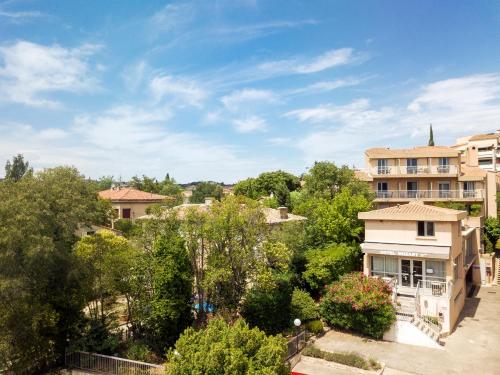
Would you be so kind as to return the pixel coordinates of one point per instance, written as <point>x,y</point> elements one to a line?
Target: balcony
<point>421,170</point>
<point>436,195</point>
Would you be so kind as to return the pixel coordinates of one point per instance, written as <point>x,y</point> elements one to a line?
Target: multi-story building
<point>481,150</point>
<point>430,174</point>
<point>429,255</point>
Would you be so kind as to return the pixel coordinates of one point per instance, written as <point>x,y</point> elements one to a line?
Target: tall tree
<point>431,136</point>
<point>18,168</point>
<point>206,189</point>
<point>41,280</point>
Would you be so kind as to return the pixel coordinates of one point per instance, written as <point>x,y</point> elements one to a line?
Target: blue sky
<point>223,90</point>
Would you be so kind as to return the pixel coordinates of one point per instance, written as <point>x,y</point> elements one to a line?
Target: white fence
<point>104,364</point>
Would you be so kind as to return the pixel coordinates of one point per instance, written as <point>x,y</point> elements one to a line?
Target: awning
<point>402,250</point>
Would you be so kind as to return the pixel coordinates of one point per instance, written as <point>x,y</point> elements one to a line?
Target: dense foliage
<point>167,187</point>
<point>359,303</point>
<point>206,189</point>
<point>303,306</point>
<point>279,184</point>
<point>228,349</point>
<point>269,308</point>
<point>491,233</point>
<point>41,281</point>
<point>327,264</point>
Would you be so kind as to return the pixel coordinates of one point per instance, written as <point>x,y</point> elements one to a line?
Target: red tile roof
<point>130,194</point>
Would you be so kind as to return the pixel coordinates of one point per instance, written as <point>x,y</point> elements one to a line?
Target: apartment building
<point>431,257</point>
<point>481,150</point>
<point>430,174</point>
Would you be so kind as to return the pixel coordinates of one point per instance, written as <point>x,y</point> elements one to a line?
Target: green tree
<point>303,306</point>
<point>108,260</point>
<point>491,233</point>
<point>41,281</point>
<point>206,189</point>
<point>327,264</point>
<point>337,220</point>
<point>269,308</point>
<point>18,168</point>
<point>170,305</point>
<point>228,349</point>
<point>325,179</point>
<point>431,136</point>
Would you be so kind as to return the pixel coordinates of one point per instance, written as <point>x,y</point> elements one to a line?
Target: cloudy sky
<point>226,89</point>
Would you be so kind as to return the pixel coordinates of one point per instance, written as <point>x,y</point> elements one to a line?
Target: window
<point>485,161</point>
<point>425,229</point>
<point>435,270</point>
<point>382,188</point>
<point>126,213</point>
<point>411,166</point>
<point>444,190</point>
<point>469,189</point>
<point>382,166</point>
<point>444,165</point>
<point>384,266</point>
<point>412,189</point>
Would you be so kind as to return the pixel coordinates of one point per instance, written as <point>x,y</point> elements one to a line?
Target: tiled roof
<point>414,211</point>
<point>481,137</point>
<point>362,176</point>
<point>130,194</point>
<point>468,173</point>
<point>416,152</point>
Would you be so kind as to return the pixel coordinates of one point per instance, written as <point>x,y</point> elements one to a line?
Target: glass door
<point>444,190</point>
<point>411,166</point>
<point>417,272</point>
<point>405,272</point>
<point>382,190</point>
<point>411,189</point>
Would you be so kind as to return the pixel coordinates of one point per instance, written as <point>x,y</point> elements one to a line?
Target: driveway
<point>472,348</point>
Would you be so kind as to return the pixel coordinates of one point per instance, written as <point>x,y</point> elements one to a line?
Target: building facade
<point>130,203</point>
<point>429,254</point>
<point>481,150</point>
<point>430,174</point>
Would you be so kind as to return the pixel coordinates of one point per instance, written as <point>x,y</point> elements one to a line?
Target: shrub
<point>327,264</point>
<point>359,303</point>
<point>228,349</point>
<point>269,309</point>
<point>314,326</point>
<point>348,359</point>
<point>303,306</point>
<point>127,227</point>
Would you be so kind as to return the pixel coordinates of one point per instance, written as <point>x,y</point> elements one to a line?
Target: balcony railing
<point>434,287</point>
<point>429,194</point>
<point>416,170</point>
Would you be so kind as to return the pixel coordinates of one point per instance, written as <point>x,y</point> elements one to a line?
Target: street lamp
<point>297,324</point>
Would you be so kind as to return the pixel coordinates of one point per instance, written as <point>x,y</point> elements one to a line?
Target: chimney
<point>209,200</point>
<point>283,213</point>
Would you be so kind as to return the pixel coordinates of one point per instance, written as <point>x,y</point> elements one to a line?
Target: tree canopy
<point>222,348</point>
<point>206,189</point>
<point>18,168</point>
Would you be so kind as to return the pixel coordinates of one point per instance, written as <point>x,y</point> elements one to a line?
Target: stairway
<point>406,311</point>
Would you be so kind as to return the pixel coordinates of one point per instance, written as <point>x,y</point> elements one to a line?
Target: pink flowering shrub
<point>359,303</point>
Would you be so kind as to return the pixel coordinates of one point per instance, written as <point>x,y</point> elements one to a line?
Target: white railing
<point>434,287</point>
<point>104,364</point>
<point>434,323</point>
<point>415,170</point>
<point>430,194</point>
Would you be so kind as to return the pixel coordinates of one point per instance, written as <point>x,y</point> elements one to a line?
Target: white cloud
<point>355,114</point>
<point>30,71</point>
<point>250,124</point>
<point>325,86</point>
<point>456,107</point>
<point>134,75</point>
<point>126,141</point>
<point>238,98</point>
<point>180,90</point>
<point>172,17</point>
<point>278,141</point>
<point>327,60</point>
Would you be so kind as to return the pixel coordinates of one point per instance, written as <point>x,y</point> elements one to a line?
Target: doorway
<point>411,272</point>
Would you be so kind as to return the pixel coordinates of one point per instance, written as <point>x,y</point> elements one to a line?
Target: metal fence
<point>104,364</point>
<point>296,344</point>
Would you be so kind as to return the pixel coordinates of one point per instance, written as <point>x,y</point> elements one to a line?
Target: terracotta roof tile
<point>416,152</point>
<point>414,211</point>
<point>130,194</point>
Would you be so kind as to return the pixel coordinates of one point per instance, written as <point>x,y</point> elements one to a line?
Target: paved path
<point>473,348</point>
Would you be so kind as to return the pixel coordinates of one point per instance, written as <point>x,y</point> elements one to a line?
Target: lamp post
<point>297,324</point>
